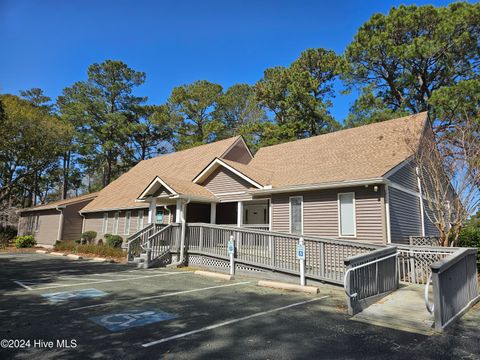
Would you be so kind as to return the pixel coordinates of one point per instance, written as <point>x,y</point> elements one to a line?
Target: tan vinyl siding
<point>223,181</point>
<point>406,177</point>
<point>405,219</point>
<point>72,221</point>
<point>320,213</point>
<point>238,153</point>
<point>47,232</point>
<point>94,222</point>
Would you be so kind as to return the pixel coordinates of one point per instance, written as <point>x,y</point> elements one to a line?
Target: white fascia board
<point>195,198</point>
<point>339,184</point>
<point>156,181</point>
<point>217,162</point>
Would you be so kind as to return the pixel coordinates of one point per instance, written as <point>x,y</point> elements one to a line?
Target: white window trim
<point>290,213</point>
<point>128,218</point>
<point>354,236</point>
<point>116,216</point>
<point>140,219</point>
<point>105,223</point>
<point>37,223</point>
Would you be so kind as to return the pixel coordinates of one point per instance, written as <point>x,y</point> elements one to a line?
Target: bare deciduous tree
<point>448,168</point>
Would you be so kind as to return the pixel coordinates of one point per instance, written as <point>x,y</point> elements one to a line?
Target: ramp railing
<point>455,287</point>
<point>369,277</point>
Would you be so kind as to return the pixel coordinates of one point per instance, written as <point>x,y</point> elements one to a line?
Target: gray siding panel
<point>406,177</point>
<point>430,229</point>
<point>320,213</point>
<point>224,181</point>
<point>238,153</point>
<point>405,218</point>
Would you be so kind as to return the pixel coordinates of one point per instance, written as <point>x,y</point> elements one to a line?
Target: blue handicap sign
<point>300,251</point>
<point>231,247</point>
<point>133,318</point>
<point>76,294</point>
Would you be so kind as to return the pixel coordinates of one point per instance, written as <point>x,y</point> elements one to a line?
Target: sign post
<point>301,257</point>
<point>231,254</point>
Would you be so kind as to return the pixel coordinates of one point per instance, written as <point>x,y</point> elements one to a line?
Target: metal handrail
<point>347,273</point>
<point>429,307</point>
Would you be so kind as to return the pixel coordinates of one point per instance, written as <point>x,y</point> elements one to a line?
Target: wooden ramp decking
<point>403,309</point>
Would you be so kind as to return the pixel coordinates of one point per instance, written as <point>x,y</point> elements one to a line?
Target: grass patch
<point>94,249</point>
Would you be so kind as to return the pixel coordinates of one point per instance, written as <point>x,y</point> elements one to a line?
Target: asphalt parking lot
<point>98,310</point>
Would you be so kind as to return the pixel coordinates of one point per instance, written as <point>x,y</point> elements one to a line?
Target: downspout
<point>60,223</point>
<point>83,221</point>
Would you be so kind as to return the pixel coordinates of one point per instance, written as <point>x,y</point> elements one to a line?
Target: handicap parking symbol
<point>69,295</point>
<point>129,319</point>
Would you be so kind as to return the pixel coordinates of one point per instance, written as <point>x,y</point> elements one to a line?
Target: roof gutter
<point>309,187</point>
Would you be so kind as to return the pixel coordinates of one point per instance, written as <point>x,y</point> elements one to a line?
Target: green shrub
<point>114,240</point>
<point>25,241</point>
<point>470,237</point>
<point>87,237</point>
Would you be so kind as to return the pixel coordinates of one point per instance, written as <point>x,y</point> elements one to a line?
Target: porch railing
<point>264,227</point>
<point>414,262</point>
<point>161,241</point>
<point>133,243</point>
<point>276,251</point>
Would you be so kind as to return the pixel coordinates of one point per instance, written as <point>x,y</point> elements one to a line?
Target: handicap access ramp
<point>403,309</point>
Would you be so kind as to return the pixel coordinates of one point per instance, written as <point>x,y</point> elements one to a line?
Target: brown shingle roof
<point>182,165</point>
<point>360,153</point>
<point>65,202</point>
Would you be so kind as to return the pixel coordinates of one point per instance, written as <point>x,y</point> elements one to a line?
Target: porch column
<point>178,211</point>
<point>213,213</point>
<point>152,209</point>
<point>239,214</point>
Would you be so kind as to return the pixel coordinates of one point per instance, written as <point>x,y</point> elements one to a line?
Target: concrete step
<point>139,259</point>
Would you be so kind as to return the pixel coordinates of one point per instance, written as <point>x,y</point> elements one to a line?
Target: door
<point>256,214</point>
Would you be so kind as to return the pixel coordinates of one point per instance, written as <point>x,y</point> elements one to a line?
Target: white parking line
<point>161,296</point>
<point>229,322</point>
<point>54,286</point>
<point>22,285</point>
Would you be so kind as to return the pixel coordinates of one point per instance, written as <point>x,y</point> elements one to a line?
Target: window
<point>296,215</point>
<point>127,222</point>
<point>37,223</point>
<point>115,223</point>
<point>105,223</point>
<point>30,221</point>
<point>346,213</point>
<point>140,220</point>
<point>159,217</point>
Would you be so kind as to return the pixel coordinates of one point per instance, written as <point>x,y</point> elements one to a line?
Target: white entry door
<point>256,214</point>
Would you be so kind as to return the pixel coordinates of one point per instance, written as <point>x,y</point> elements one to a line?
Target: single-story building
<point>358,184</point>
<point>58,220</point>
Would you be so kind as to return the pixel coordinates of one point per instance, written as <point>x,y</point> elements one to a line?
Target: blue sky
<point>49,44</point>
